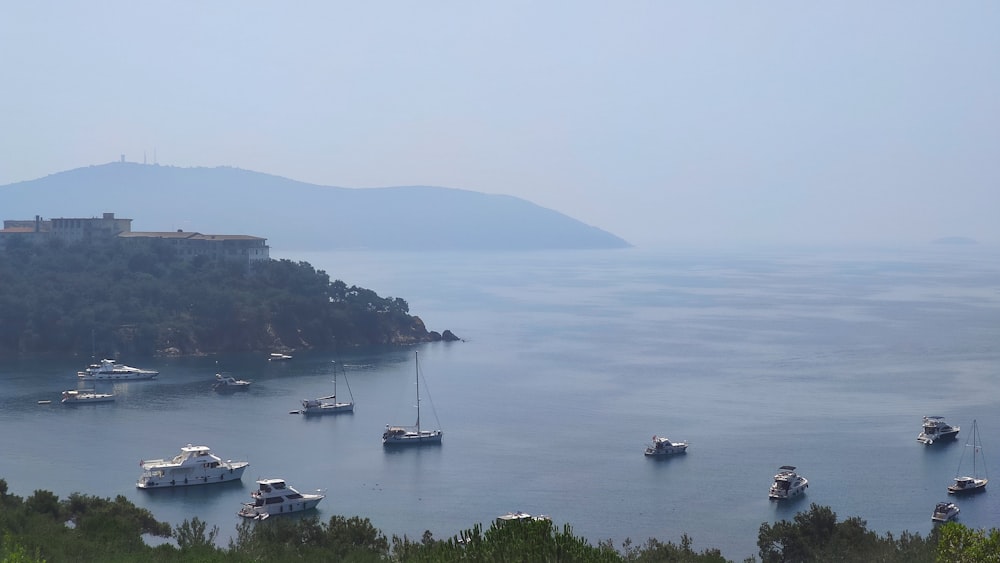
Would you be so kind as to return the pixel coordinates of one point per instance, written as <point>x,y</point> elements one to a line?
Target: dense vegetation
<point>85,528</point>
<point>137,297</point>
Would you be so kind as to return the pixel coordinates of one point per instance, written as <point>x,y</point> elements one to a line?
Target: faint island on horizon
<point>299,216</point>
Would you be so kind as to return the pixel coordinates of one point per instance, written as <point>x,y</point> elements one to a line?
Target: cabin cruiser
<point>945,511</point>
<point>195,465</point>
<point>966,484</point>
<point>108,370</point>
<point>273,496</point>
<point>80,396</point>
<point>229,383</point>
<point>787,484</point>
<point>520,517</point>
<point>936,429</point>
<point>663,446</point>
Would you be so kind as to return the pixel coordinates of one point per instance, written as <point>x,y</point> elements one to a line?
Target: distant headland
<point>305,217</point>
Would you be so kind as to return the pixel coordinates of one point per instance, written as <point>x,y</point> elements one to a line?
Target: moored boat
<point>278,357</point>
<point>787,484</point>
<point>662,446</point>
<point>227,383</point>
<point>974,482</point>
<point>83,396</point>
<point>274,496</point>
<point>195,465</point>
<point>945,511</point>
<point>935,429</point>
<point>109,370</point>
<point>329,404</point>
<point>411,435</point>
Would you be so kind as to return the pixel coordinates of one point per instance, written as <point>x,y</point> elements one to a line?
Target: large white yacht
<point>787,484</point>
<point>273,496</point>
<point>109,370</point>
<point>195,465</point>
<point>936,429</point>
<point>663,446</point>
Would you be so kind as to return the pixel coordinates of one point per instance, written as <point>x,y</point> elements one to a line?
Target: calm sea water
<point>825,360</point>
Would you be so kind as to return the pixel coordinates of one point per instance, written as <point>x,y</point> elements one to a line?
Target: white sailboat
<point>974,482</point>
<point>405,435</point>
<point>330,404</point>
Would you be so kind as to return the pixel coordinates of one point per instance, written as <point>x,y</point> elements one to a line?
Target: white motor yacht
<point>787,484</point>
<point>82,396</point>
<point>195,465</point>
<point>226,383</point>
<point>277,357</point>
<point>663,446</point>
<point>945,511</point>
<point>109,370</point>
<point>936,429</point>
<point>273,496</point>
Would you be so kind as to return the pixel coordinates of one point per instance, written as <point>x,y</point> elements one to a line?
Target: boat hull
<point>976,486</point>
<point>262,512</point>
<point>412,438</point>
<point>117,376</point>
<point>328,409</point>
<point>190,478</point>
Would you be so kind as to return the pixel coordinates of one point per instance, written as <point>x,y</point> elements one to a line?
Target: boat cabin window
<point>274,500</point>
<point>265,488</point>
<point>293,496</point>
<point>279,485</point>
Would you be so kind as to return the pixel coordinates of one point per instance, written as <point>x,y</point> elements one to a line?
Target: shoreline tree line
<point>45,528</point>
<point>115,297</point>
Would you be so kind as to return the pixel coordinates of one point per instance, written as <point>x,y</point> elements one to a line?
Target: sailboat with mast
<point>971,483</point>
<point>406,435</point>
<point>330,404</point>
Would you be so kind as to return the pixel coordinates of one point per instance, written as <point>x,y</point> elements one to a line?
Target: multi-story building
<point>244,248</point>
<point>222,247</point>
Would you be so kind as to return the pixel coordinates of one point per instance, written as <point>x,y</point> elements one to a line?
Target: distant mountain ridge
<point>296,215</point>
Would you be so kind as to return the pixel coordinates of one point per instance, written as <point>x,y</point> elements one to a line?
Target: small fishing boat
<point>277,357</point>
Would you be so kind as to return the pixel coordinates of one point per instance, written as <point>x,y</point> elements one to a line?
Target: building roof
<point>184,235</point>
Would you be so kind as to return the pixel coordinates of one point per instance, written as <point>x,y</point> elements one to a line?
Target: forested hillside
<point>111,298</point>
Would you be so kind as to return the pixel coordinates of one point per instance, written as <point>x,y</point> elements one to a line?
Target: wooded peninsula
<point>116,297</point>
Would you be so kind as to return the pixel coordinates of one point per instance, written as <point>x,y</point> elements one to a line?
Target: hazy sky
<point>658,121</point>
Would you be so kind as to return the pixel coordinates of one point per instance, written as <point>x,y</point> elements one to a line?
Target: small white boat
<point>109,370</point>
<point>273,496</point>
<point>225,384</point>
<point>276,357</point>
<point>520,517</point>
<point>936,429</point>
<point>195,465</point>
<point>945,511</point>
<point>82,396</point>
<point>411,435</point>
<point>663,446</point>
<point>787,484</point>
<point>975,482</point>
<point>329,404</point>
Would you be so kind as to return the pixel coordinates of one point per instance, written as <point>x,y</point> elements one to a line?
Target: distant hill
<point>299,216</point>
